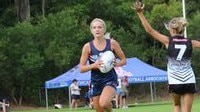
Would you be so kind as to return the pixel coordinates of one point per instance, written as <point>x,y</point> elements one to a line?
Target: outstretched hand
<point>138,6</point>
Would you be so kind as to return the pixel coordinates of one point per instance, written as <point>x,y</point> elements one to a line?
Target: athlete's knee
<point>102,104</point>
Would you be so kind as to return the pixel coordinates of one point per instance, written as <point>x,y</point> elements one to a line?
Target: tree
<point>43,8</point>
<point>23,10</point>
<point>23,60</point>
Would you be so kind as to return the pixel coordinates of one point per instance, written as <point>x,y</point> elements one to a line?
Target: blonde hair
<point>178,24</point>
<point>101,21</point>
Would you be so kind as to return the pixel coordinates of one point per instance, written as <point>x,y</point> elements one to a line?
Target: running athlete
<point>103,84</point>
<point>181,77</point>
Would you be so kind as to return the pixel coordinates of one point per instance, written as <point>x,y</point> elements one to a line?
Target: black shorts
<point>97,89</point>
<point>124,96</point>
<point>182,88</point>
<point>76,97</point>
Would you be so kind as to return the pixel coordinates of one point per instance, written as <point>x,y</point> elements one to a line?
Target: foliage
<point>193,33</point>
<point>193,27</point>
<point>39,50</point>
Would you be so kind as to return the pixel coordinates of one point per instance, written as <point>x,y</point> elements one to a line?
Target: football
<point>107,59</point>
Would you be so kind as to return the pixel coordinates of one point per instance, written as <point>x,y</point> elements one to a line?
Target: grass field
<point>144,107</point>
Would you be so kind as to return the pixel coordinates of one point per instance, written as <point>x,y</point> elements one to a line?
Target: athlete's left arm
<point>118,52</point>
<point>195,44</point>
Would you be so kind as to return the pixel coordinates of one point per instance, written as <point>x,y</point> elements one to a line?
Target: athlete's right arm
<point>84,58</point>
<point>155,34</point>
<point>195,44</point>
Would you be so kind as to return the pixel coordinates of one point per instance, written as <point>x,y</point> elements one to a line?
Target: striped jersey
<point>179,61</point>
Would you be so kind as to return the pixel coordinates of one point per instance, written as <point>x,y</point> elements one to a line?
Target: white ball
<point>107,59</point>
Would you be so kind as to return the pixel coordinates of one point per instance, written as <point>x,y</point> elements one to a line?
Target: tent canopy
<point>65,79</point>
<point>141,73</point>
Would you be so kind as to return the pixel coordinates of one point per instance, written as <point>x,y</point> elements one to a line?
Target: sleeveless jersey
<point>98,78</point>
<point>179,61</point>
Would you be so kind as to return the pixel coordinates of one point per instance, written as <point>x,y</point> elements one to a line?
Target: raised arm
<point>138,7</point>
<point>195,44</point>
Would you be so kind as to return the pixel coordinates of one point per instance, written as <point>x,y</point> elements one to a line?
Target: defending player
<point>181,77</point>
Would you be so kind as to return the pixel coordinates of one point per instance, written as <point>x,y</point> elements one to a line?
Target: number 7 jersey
<point>179,61</point>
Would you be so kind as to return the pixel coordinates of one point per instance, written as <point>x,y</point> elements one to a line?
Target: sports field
<point>144,107</point>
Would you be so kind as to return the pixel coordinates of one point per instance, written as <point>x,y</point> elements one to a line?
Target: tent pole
<point>155,93</point>
<point>151,92</point>
<point>69,97</point>
<point>46,94</point>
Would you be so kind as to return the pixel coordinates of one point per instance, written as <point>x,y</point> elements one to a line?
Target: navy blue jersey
<point>179,61</point>
<point>98,78</point>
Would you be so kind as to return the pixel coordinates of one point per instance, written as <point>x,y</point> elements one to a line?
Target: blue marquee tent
<point>142,73</point>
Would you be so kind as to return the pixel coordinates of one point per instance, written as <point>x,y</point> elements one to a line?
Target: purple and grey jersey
<point>179,61</point>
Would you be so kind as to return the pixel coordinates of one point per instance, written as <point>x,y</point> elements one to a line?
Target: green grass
<point>144,107</point>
